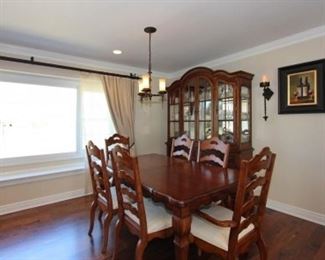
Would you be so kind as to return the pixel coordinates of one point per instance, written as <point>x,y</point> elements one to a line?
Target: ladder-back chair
<point>213,151</point>
<point>104,196</point>
<point>143,218</point>
<point>182,147</point>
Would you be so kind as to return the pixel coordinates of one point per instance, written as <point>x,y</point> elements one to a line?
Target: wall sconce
<point>267,93</point>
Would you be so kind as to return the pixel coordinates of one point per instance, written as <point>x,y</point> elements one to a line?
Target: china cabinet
<point>206,103</point>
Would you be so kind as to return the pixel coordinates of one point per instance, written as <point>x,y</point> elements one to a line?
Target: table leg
<point>182,226</point>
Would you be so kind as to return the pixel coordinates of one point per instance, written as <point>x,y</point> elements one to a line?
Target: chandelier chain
<point>149,68</point>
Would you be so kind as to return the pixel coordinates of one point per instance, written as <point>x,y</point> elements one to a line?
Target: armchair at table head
<point>229,233</point>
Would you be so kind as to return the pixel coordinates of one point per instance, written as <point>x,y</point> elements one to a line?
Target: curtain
<point>120,98</point>
<point>96,120</point>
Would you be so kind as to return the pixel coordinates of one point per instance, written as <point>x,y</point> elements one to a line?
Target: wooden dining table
<point>184,186</point>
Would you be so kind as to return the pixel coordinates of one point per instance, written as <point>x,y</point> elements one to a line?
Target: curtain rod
<point>53,65</point>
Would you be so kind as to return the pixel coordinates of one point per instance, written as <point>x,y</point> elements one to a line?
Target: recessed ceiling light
<point>117,52</point>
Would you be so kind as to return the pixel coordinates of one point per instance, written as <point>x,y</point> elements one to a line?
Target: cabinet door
<point>204,109</point>
<point>226,111</point>
<point>189,108</point>
<point>174,113</point>
<point>245,120</point>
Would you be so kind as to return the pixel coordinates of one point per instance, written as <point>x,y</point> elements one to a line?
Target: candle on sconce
<point>264,78</point>
<point>265,82</point>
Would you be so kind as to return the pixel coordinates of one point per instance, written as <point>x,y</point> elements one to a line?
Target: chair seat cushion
<point>114,198</point>
<point>157,216</point>
<point>211,233</point>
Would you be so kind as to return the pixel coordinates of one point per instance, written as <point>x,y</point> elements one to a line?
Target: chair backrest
<point>98,173</point>
<point>112,141</point>
<point>182,147</point>
<point>253,187</point>
<point>213,151</point>
<point>129,188</point>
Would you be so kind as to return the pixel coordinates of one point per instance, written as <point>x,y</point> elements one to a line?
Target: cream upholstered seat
<point>157,216</point>
<point>215,235</point>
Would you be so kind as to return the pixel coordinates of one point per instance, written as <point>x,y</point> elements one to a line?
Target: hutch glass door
<point>174,103</point>
<point>226,112</point>
<point>205,109</point>
<point>245,114</point>
<point>189,108</point>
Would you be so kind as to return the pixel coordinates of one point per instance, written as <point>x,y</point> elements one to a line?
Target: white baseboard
<point>27,204</point>
<point>297,212</point>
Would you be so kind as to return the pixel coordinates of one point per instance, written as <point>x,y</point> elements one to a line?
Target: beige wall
<point>42,188</point>
<point>299,139</point>
<point>151,124</point>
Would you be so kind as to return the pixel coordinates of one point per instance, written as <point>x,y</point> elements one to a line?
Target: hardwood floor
<point>59,231</point>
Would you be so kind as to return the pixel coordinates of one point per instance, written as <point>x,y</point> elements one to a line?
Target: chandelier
<point>145,84</point>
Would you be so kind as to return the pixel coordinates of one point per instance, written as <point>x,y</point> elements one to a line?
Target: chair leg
<point>141,246</point>
<point>118,227</point>
<point>107,222</point>
<point>261,248</point>
<point>100,214</point>
<point>92,217</point>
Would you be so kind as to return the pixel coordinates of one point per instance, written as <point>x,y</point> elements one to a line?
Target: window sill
<point>17,177</point>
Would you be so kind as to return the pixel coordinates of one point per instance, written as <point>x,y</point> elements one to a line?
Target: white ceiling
<point>189,32</point>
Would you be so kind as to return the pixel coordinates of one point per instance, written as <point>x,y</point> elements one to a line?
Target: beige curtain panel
<point>120,98</point>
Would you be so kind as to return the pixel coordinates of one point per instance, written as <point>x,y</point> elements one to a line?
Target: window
<point>37,119</point>
<point>49,119</point>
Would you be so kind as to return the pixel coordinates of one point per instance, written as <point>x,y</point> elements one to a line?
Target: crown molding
<point>263,48</point>
<point>47,56</point>
<point>70,60</point>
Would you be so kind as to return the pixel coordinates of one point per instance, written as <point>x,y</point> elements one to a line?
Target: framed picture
<point>301,88</point>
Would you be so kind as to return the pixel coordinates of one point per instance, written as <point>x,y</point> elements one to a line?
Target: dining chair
<point>229,233</point>
<point>182,147</point>
<point>111,142</point>
<point>213,151</point>
<point>142,217</point>
<point>104,196</point>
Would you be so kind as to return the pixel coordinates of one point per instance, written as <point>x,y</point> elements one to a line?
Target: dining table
<point>183,187</point>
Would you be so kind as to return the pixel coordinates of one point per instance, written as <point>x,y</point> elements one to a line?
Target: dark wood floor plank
<point>59,231</point>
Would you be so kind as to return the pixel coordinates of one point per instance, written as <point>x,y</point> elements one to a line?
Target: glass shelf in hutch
<point>206,103</point>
